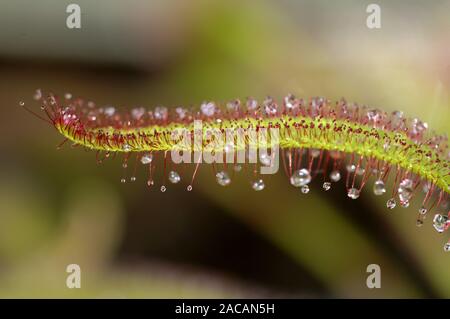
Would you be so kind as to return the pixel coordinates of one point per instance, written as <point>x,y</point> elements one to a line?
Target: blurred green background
<point>59,207</point>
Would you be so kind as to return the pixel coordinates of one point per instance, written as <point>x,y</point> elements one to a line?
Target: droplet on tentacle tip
<point>189,188</point>
<point>161,113</point>
<point>37,95</point>
<point>109,111</point>
<point>447,247</point>
<point>305,189</point>
<point>223,179</point>
<point>290,102</point>
<point>133,178</point>
<point>150,182</point>
<point>251,104</point>
<point>326,186</point>
<point>208,108</point>
<point>237,168</point>
<point>270,107</point>
<point>265,159</point>
<point>404,204</point>
<point>21,103</point>
<point>335,176</point>
<point>391,203</point>
<point>440,222</point>
<point>163,189</point>
<point>126,147</point>
<point>426,187</point>
<point>353,193</point>
<point>300,177</point>
<point>258,185</point>
<point>422,210</point>
<point>419,221</point>
<point>67,96</point>
<point>174,177</point>
<point>123,180</point>
<point>405,190</point>
<point>360,171</point>
<point>379,188</point>
<point>315,152</point>
<point>233,106</point>
<point>146,158</point>
<point>350,168</point>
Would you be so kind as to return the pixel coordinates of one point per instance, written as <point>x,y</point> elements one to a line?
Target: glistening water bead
<point>353,193</point>
<point>317,139</point>
<point>300,177</point>
<point>326,186</point>
<point>379,188</point>
<point>146,159</point>
<point>335,176</point>
<point>391,203</point>
<point>258,185</point>
<point>405,190</point>
<point>223,179</point>
<point>305,189</point>
<point>174,177</point>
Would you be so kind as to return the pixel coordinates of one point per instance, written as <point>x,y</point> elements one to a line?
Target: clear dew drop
<point>300,177</point>
<point>391,203</point>
<point>146,158</point>
<point>163,189</point>
<point>161,113</point>
<point>404,204</point>
<point>405,190</point>
<point>422,210</point>
<point>353,193</point>
<point>305,189</point>
<point>37,95</point>
<point>419,221</point>
<point>223,179</point>
<point>181,112</point>
<point>208,108</point>
<point>326,186</point>
<point>137,113</point>
<point>174,177</point>
<point>237,168</point>
<point>265,159</point>
<point>229,147</point>
<point>335,176</point>
<point>258,185</point>
<point>379,188</point>
<point>109,111</point>
<point>126,147</point>
<point>360,171</point>
<point>447,247</point>
<point>440,222</point>
<point>315,152</point>
<point>233,106</point>
<point>426,187</point>
<point>270,107</point>
<point>350,168</point>
<point>251,104</point>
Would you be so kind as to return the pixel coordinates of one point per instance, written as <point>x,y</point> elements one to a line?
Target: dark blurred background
<point>60,207</point>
